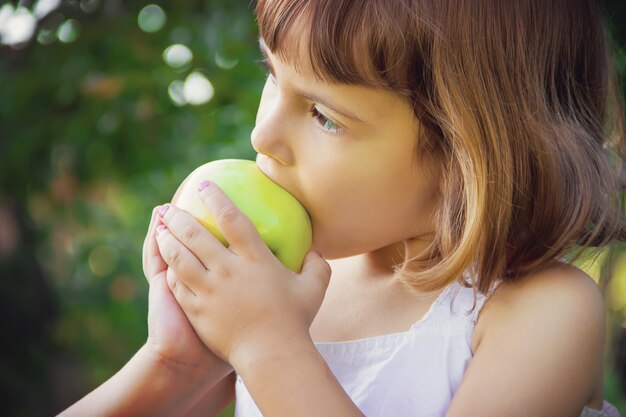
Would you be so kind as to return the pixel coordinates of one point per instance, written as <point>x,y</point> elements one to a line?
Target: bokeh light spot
<point>224,62</point>
<point>89,6</point>
<point>43,7</point>
<point>123,288</point>
<point>46,37</point>
<point>6,12</point>
<point>108,123</point>
<point>103,259</point>
<point>62,157</point>
<point>16,26</point>
<point>175,91</point>
<point>198,89</point>
<point>68,31</point>
<point>9,232</point>
<point>177,56</point>
<point>40,208</point>
<point>151,18</point>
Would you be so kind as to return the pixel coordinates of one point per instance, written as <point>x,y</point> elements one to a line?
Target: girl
<point>451,155</point>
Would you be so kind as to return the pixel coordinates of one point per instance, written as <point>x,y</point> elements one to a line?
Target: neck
<point>386,260</point>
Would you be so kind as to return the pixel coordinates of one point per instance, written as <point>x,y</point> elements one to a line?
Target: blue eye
<point>324,122</point>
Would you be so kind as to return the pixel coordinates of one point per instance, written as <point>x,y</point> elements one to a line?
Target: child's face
<point>348,154</point>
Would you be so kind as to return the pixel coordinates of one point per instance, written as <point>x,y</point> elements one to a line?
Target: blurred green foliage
<point>94,133</point>
<point>90,142</point>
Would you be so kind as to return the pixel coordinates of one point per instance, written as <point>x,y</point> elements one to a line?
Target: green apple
<point>280,219</point>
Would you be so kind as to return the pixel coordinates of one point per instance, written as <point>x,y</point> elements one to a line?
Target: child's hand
<point>170,336</point>
<point>240,300</point>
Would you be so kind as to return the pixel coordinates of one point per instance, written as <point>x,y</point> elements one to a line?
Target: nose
<point>271,133</point>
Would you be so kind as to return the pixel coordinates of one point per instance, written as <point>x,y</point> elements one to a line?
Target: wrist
<point>169,387</point>
<point>267,351</point>
<point>182,375</point>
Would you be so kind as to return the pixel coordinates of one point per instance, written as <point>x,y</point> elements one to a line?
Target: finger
<point>160,298</point>
<point>237,228</point>
<point>151,259</point>
<point>146,243</point>
<point>192,234</point>
<point>158,292</point>
<point>183,294</point>
<point>165,315</point>
<point>315,277</point>
<point>184,263</point>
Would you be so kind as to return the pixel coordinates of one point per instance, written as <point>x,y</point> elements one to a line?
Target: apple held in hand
<point>280,219</point>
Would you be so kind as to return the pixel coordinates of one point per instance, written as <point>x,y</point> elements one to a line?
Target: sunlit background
<point>105,107</point>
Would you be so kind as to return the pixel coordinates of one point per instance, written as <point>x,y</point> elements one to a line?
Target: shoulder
<point>559,301</point>
<point>539,340</point>
<point>560,295</point>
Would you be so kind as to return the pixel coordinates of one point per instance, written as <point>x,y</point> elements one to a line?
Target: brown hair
<point>517,99</point>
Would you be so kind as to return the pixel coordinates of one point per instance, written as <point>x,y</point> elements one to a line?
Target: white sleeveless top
<point>413,373</point>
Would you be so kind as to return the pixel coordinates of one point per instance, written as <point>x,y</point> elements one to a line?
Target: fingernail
<point>163,209</point>
<point>319,254</point>
<point>160,229</point>
<point>204,184</point>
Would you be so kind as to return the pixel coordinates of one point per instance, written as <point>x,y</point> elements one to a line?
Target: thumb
<point>315,276</point>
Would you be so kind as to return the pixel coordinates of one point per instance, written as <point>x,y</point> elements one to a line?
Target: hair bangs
<point>368,44</point>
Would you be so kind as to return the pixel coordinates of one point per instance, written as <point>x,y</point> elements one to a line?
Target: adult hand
<point>171,338</point>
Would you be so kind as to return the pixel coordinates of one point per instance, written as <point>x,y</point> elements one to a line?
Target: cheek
<point>330,207</point>
<point>368,213</point>
<point>344,219</point>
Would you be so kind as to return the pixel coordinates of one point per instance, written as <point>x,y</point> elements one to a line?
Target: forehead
<point>293,48</point>
<point>294,53</point>
<point>335,47</point>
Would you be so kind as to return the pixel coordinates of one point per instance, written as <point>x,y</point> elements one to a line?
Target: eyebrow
<point>313,97</point>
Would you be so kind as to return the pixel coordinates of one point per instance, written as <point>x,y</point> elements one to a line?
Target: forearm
<point>147,387</point>
<point>295,382</point>
<point>214,402</point>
